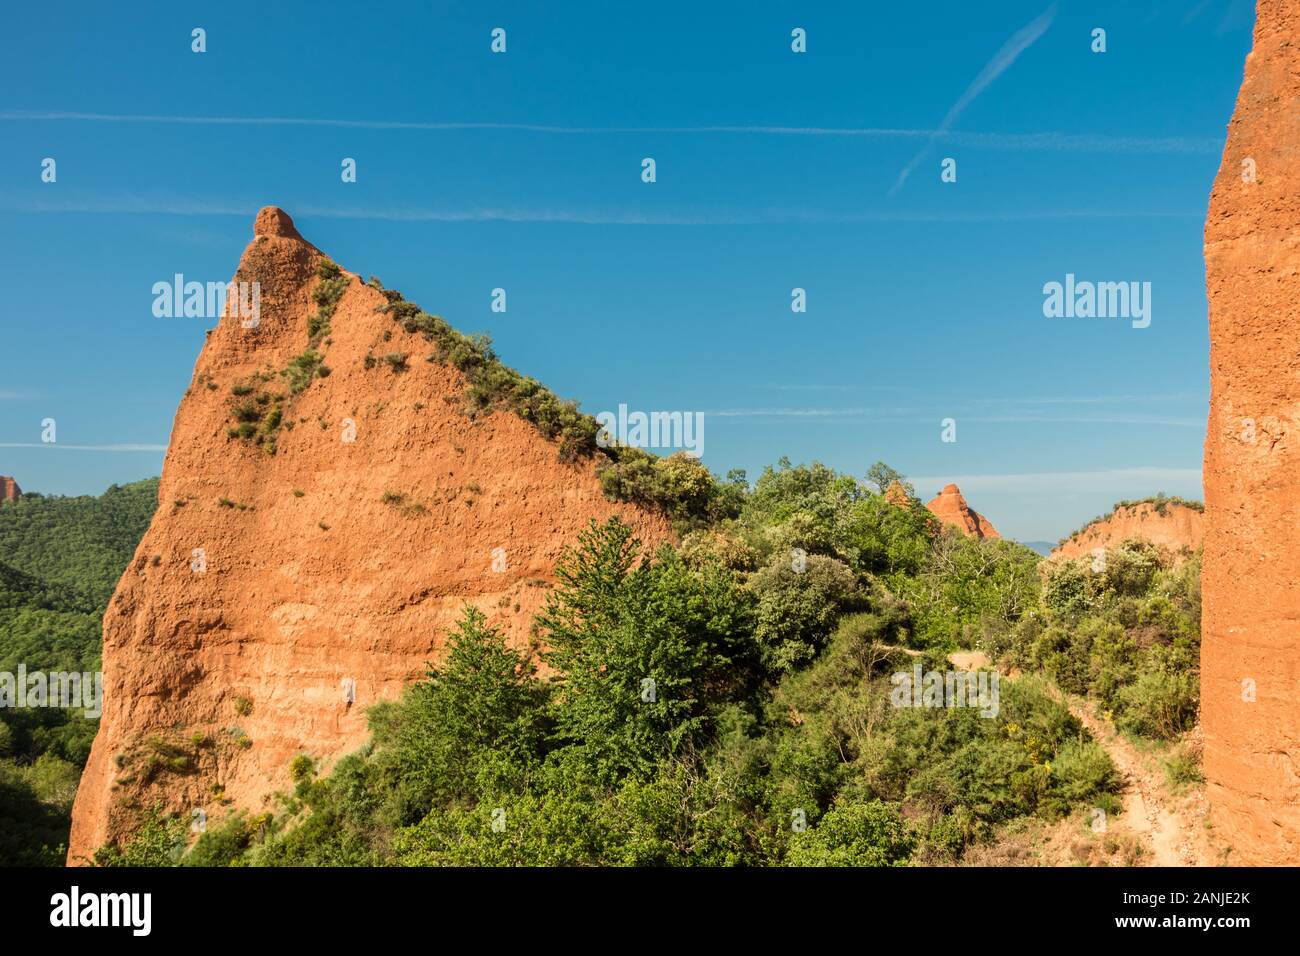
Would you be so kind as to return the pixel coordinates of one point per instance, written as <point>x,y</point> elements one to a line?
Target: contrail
<point>588,217</point>
<point>1039,142</point>
<point>1022,40</point>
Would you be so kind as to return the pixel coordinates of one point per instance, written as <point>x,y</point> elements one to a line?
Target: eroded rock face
<point>1250,655</point>
<point>269,586</point>
<point>1174,527</point>
<point>9,490</point>
<point>950,507</point>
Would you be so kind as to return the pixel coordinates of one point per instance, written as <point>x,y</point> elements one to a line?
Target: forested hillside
<point>60,559</point>
<point>725,701</point>
<point>732,700</point>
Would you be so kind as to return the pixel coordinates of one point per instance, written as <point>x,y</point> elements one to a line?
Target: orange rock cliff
<point>1174,527</point>
<point>9,490</point>
<point>950,507</point>
<point>271,588</point>
<point>1250,650</point>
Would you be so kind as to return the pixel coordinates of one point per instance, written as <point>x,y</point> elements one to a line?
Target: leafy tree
<point>642,648</point>
<point>966,580</point>
<point>798,604</point>
<point>879,536</point>
<point>482,708</point>
<point>882,476</point>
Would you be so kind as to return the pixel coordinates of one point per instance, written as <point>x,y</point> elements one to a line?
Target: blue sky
<point>775,170</point>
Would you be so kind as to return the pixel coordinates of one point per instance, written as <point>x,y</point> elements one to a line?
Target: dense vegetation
<point>723,701</point>
<point>1124,630</point>
<point>83,543</point>
<point>60,559</point>
<point>728,701</point>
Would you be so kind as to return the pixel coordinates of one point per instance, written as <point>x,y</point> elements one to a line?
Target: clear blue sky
<point>924,301</point>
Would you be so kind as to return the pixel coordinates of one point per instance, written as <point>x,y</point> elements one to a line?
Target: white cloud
<point>1065,482</point>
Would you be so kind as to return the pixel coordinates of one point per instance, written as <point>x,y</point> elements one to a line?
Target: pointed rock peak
<point>374,506</point>
<point>9,490</point>
<point>950,507</point>
<point>896,494</point>
<point>274,221</point>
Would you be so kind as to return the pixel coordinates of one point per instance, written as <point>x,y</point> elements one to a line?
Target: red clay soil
<point>1176,528</point>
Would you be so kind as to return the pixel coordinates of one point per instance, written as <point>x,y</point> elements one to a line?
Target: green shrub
<point>854,834</point>
<point>1082,771</point>
<point>797,607</point>
<point>542,830</point>
<point>1183,768</point>
<point>224,845</point>
<point>302,369</point>
<point>1158,704</point>
<point>680,485</point>
<point>159,841</point>
<point>301,768</point>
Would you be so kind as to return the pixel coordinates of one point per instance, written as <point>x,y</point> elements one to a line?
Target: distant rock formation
<point>950,507</point>
<point>308,565</point>
<point>1250,646</point>
<point>9,490</point>
<point>1171,525</point>
<point>896,494</point>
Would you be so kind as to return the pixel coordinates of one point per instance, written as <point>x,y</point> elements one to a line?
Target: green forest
<point>60,559</point>
<point>727,700</point>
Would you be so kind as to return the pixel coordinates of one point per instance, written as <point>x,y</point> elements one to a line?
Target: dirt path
<point>1170,827</point>
<point>1166,825</point>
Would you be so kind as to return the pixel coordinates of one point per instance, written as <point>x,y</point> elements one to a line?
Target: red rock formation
<point>331,561</point>
<point>896,494</point>
<point>1250,652</point>
<point>1175,527</point>
<point>9,490</point>
<point>951,508</point>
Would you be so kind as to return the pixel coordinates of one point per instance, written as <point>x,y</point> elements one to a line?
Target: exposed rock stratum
<point>950,507</point>
<point>1174,527</point>
<point>1250,652</point>
<point>270,588</point>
